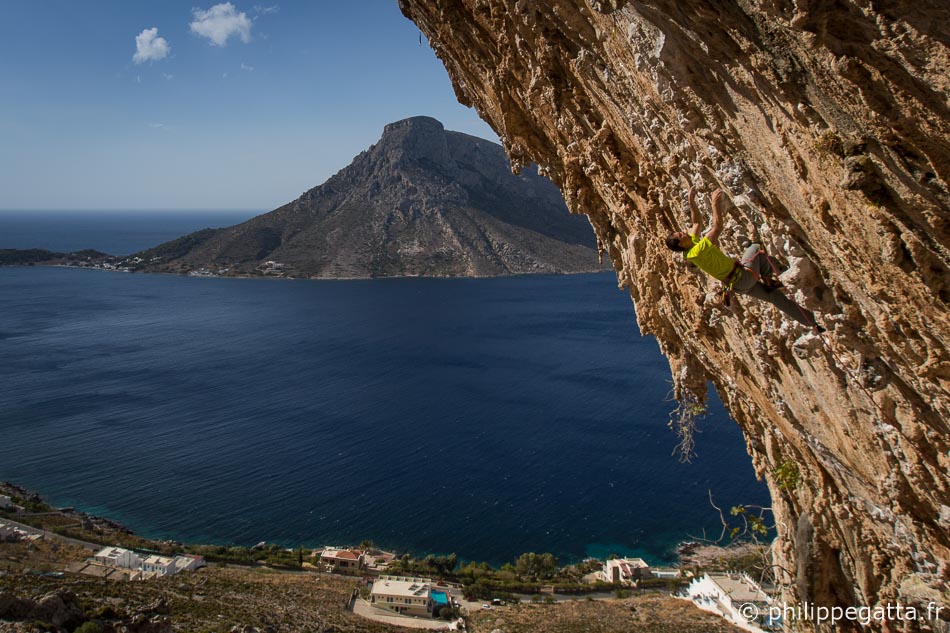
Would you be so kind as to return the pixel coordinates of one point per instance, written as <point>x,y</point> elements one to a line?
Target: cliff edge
<point>829,125</point>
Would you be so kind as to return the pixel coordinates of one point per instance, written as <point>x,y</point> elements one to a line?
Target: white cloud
<point>167,76</point>
<point>156,126</point>
<point>264,10</point>
<point>249,69</point>
<point>220,22</point>
<point>149,47</point>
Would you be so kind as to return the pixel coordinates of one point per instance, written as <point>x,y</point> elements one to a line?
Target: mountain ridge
<point>422,201</point>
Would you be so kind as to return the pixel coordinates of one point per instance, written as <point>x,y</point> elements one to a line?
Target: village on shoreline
<point>90,259</point>
<point>428,592</point>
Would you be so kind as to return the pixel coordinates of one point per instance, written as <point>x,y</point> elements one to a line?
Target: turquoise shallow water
<point>482,417</point>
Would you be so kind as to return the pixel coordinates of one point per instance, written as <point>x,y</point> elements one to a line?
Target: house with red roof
<point>341,559</point>
<point>625,571</point>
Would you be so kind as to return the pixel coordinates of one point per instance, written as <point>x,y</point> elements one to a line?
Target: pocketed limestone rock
<point>832,118</point>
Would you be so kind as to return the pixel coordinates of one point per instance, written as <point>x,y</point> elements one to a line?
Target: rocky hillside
<point>828,123</point>
<point>36,595</point>
<point>421,201</point>
<point>218,599</point>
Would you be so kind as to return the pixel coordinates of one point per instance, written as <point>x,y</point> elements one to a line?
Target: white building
<point>153,566</point>
<point>5,502</point>
<point>9,534</point>
<point>411,596</point>
<point>188,562</point>
<point>625,571</point>
<point>735,597</point>
<point>159,565</point>
<point>118,557</point>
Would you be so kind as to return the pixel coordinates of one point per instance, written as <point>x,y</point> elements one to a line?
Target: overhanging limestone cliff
<point>829,124</point>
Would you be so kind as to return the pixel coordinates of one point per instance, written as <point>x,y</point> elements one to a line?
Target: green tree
<point>533,566</point>
<point>448,613</point>
<point>444,565</point>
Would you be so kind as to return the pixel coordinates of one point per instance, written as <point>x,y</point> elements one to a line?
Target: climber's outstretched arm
<point>695,217</point>
<point>719,202</point>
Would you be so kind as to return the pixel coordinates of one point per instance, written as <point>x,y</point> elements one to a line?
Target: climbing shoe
<point>771,283</point>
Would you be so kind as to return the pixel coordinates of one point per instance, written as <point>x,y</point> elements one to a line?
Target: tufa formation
<point>829,125</point>
<point>420,202</point>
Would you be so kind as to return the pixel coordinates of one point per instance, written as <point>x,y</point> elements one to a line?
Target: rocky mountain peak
<point>414,124</point>
<point>415,140</point>
<point>422,201</point>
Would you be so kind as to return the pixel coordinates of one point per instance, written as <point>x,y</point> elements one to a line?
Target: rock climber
<point>752,275</point>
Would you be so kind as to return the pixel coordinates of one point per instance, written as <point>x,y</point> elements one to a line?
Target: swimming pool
<point>440,597</point>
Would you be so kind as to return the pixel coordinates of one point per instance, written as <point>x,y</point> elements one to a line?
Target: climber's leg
<point>745,282</point>
<point>756,260</point>
<point>778,299</point>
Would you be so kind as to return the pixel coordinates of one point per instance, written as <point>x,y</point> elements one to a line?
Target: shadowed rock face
<point>829,125</point>
<point>421,201</point>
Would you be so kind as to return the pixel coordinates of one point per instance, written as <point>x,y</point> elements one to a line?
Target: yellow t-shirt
<point>709,258</point>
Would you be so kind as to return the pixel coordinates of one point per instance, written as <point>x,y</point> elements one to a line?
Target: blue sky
<point>236,105</point>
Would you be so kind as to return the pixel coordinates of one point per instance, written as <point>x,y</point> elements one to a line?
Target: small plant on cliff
<point>683,419</point>
<point>786,475</point>
<point>830,142</point>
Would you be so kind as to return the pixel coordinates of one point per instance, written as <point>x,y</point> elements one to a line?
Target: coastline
<point>594,271</point>
<point>690,554</point>
<point>121,586</point>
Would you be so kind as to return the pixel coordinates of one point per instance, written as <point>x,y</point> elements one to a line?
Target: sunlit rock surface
<point>829,125</point>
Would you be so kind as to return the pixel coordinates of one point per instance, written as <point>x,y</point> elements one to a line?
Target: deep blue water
<point>483,417</point>
<point>113,232</point>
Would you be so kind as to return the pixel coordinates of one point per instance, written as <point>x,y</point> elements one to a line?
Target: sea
<point>482,417</point>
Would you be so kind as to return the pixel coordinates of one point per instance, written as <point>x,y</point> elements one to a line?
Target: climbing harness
<point>770,283</point>
<point>727,296</point>
<point>730,281</point>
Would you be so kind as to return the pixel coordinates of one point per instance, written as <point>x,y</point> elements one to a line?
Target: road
<point>29,529</point>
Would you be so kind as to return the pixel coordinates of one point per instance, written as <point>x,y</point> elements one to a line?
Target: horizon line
<point>113,209</point>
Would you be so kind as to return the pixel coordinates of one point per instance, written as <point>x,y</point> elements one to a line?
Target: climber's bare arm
<point>695,217</point>
<point>719,203</point>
